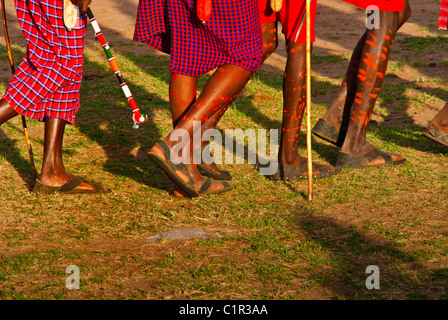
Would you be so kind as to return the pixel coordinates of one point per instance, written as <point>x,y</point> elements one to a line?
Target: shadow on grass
<point>9,149</point>
<point>106,119</point>
<point>402,274</point>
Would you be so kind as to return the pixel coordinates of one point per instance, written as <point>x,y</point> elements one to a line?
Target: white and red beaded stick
<point>137,116</point>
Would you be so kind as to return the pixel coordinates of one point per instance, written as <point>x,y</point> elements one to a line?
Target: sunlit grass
<point>276,244</point>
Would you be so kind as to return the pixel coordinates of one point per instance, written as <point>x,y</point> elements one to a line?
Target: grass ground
<point>277,245</point>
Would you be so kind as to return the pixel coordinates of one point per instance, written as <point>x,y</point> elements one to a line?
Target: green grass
<point>429,43</point>
<point>280,246</point>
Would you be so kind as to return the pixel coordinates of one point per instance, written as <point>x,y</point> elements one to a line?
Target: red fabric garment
<point>231,35</point>
<point>443,18</point>
<point>290,16</point>
<point>47,81</point>
<point>384,5</point>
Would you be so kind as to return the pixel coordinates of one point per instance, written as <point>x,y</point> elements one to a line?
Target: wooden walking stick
<point>306,19</point>
<point>204,10</point>
<point>13,70</point>
<point>308,99</point>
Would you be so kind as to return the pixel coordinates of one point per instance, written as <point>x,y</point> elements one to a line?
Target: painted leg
<point>182,97</point>
<point>346,92</point>
<point>338,114</point>
<point>291,164</point>
<point>270,40</point>
<point>220,91</point>
<point>269,32</point>
<point>294,103</point>
<point>356,151</point>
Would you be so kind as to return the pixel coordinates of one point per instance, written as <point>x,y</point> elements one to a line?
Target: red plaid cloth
<point>47,81</point>
<point>232,35</point>
<point>384,5</point>
<point>443,19</point>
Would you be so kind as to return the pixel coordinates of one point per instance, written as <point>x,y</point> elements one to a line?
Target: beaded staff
<point>137,116</point>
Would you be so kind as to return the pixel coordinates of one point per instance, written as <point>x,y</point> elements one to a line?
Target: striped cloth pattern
<point>232,34</point>
<point>47,81</point>
<point>443,18</point>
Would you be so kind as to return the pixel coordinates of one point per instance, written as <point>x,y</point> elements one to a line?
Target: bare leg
<point>437,128</point>
<point>294,103</point>
<point>390,23</point>
<point>6,111</point>
<point>371,72</point>
<point>220,91</point>
<point>347,90</point>
<point>270,40</point>
<point>294,93</point>
<point>53,172</point>
<point>182,95</point>
<point>294,96</point>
